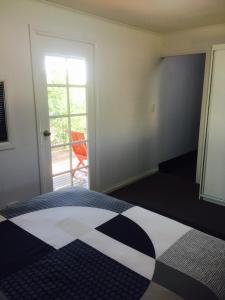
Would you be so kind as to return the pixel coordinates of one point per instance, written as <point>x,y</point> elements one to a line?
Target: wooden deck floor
<point>61,163</point>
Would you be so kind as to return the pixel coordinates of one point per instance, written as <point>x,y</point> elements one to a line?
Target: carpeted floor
<point>173,193</point>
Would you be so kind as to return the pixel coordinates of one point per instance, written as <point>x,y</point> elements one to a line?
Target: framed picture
<point>5,129</point>
<point>3,121</point>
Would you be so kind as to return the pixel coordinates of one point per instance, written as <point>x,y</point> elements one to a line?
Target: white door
<point>63,83</point>
<point>213,185</point>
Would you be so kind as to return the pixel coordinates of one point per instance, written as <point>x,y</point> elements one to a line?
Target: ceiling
<point>156,15</point>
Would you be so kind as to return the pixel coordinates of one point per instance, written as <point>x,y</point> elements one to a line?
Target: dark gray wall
<point>181,84</point>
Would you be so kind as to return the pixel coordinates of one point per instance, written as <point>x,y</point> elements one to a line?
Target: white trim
<point>203,118</point>
<point>130,180</point>
<point>31,39</point>
<point>67,85</point>
<point>206,117</point>
<point>9,144</point>
<point>6,146</point>
<point>51,34</point>
<point>70,143</point>
<point>34,32</point>
<point>212,199</point>
<point>67,115</point>
<point>184,52</point>
<point>204,196</point>
<point>32,35</point>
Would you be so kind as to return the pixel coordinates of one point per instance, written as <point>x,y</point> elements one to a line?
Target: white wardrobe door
<point>214,183</point>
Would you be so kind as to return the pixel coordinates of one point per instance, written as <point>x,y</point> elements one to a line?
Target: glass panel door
<point>67,105</point>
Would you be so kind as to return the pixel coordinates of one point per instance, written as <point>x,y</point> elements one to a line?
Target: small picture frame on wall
<point>3,121</point>
<point>5,129</point>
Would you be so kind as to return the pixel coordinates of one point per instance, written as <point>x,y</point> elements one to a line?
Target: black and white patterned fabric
<point>77,244</point>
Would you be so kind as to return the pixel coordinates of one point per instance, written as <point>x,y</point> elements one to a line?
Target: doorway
<point>181,90</point>
<point>63,83</point>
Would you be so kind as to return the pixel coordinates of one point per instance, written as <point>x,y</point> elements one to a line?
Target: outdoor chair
<point>80,150</point>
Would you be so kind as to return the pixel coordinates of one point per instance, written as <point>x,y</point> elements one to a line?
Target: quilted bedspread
<point>78,244</point>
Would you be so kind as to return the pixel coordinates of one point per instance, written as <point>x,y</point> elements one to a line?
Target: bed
<point>79,244</point>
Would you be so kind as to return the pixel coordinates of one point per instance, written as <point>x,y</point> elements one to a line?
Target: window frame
<point>9,144</point>
<point>68,115</point>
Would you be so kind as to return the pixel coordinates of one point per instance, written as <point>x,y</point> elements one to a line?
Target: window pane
<point>77,100</point>
<point>3,131</point>
<point>76,71</point>
<point>55,69</point>
<point>61,181</point>
<point>57,101</point>
<point>79,125</point>
<point>58,128</point>
<point>60,160</point>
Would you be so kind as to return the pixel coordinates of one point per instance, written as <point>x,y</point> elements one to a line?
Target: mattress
<point>79,244</point>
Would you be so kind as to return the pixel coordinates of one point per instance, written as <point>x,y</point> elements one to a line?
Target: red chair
<point>80,150</point>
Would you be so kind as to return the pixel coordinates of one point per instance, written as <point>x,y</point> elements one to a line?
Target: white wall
<point>193,40</point>
<point>180,98</point>
<point>126,60</point>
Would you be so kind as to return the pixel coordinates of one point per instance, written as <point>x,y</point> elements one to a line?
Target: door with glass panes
<point>65,111</point>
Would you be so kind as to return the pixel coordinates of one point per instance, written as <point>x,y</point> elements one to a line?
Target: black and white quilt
<point>77,244</point>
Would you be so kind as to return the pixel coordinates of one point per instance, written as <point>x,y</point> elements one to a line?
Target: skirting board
<point>212,199</point>
<point>130,180</point>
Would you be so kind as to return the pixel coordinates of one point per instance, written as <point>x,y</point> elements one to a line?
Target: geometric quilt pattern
<point>77,271</point>
<point>200,260</point>
<point>77,244</point>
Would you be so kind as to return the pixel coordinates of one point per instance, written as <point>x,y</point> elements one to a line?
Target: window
<point>68,114</point>
<point>3,127</point>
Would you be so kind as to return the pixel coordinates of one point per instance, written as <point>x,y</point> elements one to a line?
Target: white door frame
<point>34,33</point>
<point>208,96</point>
<point>204,108</point>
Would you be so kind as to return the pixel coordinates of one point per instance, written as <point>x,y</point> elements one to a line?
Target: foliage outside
<point>59,106</point>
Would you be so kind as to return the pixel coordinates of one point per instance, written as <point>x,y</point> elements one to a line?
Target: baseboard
<point>212,199</point>
<point>130,181</point>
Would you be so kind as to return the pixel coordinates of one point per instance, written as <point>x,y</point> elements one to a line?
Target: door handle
<point>46,133</point>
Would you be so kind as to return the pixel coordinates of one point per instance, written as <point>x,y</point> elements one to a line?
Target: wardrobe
<point>213,171</point>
